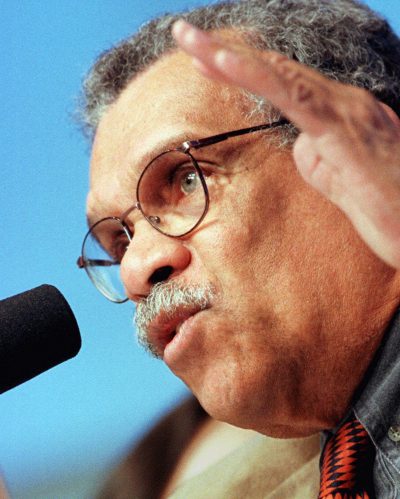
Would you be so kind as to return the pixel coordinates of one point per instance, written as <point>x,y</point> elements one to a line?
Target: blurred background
<point>61,432</point>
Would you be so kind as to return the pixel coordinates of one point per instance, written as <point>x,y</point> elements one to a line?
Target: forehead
<point>168,103</point>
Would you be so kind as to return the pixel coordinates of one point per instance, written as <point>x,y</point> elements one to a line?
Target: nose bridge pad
<point>154,219</point>
<point>161,274</point>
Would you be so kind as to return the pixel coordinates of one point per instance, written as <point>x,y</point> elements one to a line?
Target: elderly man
<point>271,294</point>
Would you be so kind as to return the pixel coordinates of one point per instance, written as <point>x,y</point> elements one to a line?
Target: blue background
<point>61,431</point>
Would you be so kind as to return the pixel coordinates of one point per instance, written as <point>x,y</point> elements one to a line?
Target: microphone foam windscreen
<point>38,330</point>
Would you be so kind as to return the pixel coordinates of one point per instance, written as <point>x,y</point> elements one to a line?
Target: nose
<point>151,258</point>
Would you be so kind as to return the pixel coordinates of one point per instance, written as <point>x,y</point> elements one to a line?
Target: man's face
<point>278,348</point>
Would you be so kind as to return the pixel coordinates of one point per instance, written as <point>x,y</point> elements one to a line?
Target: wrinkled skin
<point>299,296</point>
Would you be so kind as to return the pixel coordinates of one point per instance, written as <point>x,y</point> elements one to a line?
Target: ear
<point>391,114</point>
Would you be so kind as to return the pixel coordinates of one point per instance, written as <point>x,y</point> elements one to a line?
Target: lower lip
<point>181,342</point>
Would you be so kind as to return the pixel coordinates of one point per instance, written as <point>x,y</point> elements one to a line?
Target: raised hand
<point>349,145</point>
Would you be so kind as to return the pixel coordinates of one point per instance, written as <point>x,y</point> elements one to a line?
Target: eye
<point>189,182</point>
<point>183,180</point>
<point>119,248</point>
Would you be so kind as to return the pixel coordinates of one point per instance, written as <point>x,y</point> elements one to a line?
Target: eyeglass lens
<point>172,197</point>
<point>102,252</point>
<point>171,194</point>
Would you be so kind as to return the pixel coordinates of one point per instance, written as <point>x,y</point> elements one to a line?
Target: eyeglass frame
<point>184,148</point>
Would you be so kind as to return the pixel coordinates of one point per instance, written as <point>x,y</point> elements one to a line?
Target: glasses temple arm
<point>95,263</point>
<point>214,139</point>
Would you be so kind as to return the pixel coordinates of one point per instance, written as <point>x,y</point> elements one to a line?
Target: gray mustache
<point>168,298</point>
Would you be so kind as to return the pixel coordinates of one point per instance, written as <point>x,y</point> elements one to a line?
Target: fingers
<point>313,102</point>
<point>349,148</point>
<point>303,95</point>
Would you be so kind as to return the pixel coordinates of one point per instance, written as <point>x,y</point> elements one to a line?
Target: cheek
<point>235,372</point>
<point>241,240</point>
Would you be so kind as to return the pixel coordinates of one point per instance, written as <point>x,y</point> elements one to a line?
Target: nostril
<point>161,274</point>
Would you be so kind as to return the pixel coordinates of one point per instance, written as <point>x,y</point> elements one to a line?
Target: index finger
<point>303,95</point>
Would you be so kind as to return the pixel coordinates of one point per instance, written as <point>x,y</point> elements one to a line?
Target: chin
<point>252,406</point>
<point>233,403</point>
<point>253,419</point>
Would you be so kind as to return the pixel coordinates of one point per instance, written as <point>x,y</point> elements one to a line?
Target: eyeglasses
<point>172,196</point>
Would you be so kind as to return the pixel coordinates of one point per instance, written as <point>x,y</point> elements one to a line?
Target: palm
<point>349,148</point>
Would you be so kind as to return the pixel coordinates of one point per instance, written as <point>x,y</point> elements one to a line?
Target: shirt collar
<point>378,405</point>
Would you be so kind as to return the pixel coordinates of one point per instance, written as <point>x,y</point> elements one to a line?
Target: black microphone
<point>38,330</point>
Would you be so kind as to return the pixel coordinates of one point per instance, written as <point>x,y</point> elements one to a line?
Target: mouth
<point>163,329</point>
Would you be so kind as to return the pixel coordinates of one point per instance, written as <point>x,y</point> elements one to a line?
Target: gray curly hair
<point>343,39</point>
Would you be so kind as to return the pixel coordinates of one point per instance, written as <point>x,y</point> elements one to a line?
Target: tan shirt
<point>261,468</point>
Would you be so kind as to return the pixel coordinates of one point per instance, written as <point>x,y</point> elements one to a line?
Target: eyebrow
<point>184,138</point>
<point>172,142</point>
<point>177,140</point>
<point>207,140</point>
<point>133,172</point>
